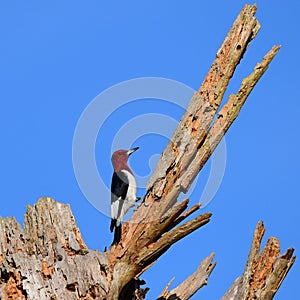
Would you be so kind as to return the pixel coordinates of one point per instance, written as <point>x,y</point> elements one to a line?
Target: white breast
<point>131,193</point>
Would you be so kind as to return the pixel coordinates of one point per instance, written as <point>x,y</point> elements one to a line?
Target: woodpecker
<point>123,190</point>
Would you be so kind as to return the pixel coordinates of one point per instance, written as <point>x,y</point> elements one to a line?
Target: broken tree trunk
<point>263,273</point>
<point>49,260</point>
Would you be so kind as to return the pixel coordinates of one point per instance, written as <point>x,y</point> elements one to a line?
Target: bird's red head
<point>119,159</point>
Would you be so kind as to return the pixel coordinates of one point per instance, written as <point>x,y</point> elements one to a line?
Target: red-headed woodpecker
<point>123,190</point>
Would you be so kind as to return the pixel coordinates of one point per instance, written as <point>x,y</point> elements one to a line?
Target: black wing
<point>119,186</point>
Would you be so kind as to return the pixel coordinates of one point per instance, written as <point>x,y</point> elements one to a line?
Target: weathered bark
<point>193,141</point>
<point>264,272</point>
<point>49,260</point>
<point>192,284</point>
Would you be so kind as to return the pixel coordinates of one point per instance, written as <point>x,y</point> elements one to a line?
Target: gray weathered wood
<point>49,260</point>
<point>264,272</point>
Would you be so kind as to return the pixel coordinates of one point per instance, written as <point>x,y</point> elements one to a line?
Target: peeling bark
<point>49,259</point>
<point>192,284</point>
<point>264,272</point>
<point>194,140</point>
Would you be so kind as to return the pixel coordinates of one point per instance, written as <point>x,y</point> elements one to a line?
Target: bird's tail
<point>117,234</point>
<point>113,224</point>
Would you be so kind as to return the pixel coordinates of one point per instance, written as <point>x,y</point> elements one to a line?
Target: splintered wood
<point>49,259</point>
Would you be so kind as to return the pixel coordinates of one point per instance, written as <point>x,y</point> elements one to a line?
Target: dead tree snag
<point>49,259</point>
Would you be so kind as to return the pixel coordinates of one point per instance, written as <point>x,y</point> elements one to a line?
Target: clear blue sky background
<point>56,56</point>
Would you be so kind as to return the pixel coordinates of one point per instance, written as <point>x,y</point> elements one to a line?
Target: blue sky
<point>56,57</point>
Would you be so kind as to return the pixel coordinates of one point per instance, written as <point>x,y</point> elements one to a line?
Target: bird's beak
<point>129,152</point>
